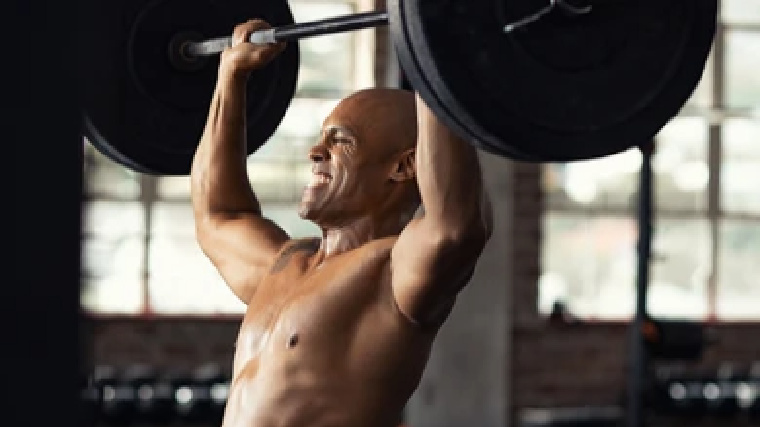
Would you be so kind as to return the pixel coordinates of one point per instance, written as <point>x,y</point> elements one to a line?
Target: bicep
<point>242,248</point>
<point>429,268</point>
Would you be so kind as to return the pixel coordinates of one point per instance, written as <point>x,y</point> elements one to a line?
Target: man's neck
<point>355,233</point>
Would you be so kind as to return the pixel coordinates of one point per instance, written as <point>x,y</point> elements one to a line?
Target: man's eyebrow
<point>341,129</point>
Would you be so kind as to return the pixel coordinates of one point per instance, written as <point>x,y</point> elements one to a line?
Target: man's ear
<point>404,167</point>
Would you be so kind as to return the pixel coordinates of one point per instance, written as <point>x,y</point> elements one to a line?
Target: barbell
<point>574,84</point>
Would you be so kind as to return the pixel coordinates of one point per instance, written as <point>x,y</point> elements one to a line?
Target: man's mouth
<point>319,179</point>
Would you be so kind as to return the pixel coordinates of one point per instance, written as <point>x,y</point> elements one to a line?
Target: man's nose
<point>319,153</point>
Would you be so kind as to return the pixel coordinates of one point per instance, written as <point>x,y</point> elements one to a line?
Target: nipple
<point>293,340</point>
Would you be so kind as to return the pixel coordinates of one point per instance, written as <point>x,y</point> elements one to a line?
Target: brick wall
<point>181,343</point>
<point>571,366</point>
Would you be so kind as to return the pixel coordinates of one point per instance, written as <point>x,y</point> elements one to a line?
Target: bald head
<point>383,116</point>
<point>364,160</point>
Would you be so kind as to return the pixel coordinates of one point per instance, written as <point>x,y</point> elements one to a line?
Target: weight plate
<point>562,88</point>
<point>146,113</point>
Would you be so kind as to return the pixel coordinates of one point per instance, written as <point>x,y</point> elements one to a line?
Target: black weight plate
<point>563,88</point>
<point>146,114</point>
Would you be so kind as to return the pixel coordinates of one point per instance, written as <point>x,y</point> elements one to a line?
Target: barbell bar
<point>292,32</point>
<point>340,24</point>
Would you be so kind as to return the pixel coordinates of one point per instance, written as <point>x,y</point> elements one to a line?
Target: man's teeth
<point>319,179</point>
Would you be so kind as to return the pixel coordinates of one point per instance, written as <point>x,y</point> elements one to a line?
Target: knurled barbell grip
<point>296,31</point>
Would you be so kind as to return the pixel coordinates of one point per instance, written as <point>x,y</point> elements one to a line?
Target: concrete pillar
<point>466,383</point>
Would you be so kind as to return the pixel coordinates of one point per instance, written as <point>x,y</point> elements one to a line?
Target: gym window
<point>140,255</point>
<point>706,245</point>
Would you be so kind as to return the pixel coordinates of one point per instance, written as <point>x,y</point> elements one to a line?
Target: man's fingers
<point>243,31</point>
<point>252,53</point>
<point>279,47</point>
<point>272,50</point>
<point>245,56</point>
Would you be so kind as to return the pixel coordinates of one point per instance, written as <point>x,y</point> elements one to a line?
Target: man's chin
<point>307,210</point>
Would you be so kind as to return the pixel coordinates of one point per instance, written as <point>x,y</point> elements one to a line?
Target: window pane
<point>173,187</point>
<point>277,181</point>
<point>742,65</point>
<point>679,269</point>
<point>680,165</point>
<point>738,271</point>
<point>298,130</point>
<point>326,62</point>
<point>114,285</point>
<point>588,263</point>
<point>740,11</point>
<point>112,258</point>
<point>607,182</point>
<point>113,219</point>
<point>182,279</point>
<point>740,171</point>
<point>102,176</point>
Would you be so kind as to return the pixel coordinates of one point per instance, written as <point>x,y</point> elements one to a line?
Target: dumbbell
<point>686,395</point>
<point>753,392</point>
<point>89,398</point>
<point>117,400</point>
<point>719,393</point>
<point>657,395</point>
<point>154,394</point>
<point>203,398</point>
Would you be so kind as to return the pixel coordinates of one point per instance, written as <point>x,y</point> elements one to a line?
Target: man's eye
<point>342,140</point>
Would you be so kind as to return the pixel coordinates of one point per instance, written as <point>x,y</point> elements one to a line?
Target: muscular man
<point>338,329</point>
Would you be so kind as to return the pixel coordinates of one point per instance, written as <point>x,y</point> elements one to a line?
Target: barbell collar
<point>296,31</point>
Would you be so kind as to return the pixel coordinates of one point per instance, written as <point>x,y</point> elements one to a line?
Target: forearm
<point>448,175</point>
<point>219,179</point>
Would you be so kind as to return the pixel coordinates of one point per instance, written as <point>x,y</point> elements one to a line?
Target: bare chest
<point>297,308</point>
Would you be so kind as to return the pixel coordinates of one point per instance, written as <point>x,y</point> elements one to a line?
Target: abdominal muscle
<point>363,380</point>
<point>285,392</point>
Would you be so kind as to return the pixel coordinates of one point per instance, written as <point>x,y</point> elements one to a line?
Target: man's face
<point>363,154</point>
<point>349,174</point>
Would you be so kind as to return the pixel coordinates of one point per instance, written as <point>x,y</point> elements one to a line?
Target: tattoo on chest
<point>309,246</point>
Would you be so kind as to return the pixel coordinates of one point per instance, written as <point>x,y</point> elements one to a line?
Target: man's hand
<point>244,57</point>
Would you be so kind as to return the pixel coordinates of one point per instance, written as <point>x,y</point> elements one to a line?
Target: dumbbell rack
<point>729,391</point>
<point>143,395</point>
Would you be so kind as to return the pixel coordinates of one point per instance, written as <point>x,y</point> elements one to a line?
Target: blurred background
<point>542,332</point>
